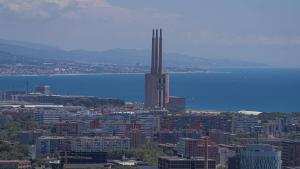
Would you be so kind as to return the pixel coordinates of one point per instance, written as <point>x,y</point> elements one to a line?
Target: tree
<point>221,167</point>
<point>125,167</point>
<point>10,151</point>
<point>149,153</point>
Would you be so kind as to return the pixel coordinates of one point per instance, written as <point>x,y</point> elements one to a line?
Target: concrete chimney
<point>153,53</point>
<point>206,152</point>
<point>160,53</point>
<point>156,52</point>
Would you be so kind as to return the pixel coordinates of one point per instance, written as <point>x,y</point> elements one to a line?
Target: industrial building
<point>156,82</point>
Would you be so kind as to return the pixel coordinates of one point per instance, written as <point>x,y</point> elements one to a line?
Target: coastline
<point>91,74</point>
<point>241,89</point>
<point>206,71</point>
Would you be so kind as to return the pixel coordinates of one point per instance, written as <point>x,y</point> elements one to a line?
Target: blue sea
<point>268,90</point>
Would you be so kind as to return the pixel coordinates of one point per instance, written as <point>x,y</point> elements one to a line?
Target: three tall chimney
<point>156,82</point>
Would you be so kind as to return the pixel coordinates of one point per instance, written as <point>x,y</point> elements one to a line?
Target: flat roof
<point>173,158</point>
<point>246,112</point>
<point>14,161</point>
<point>84,166</point>
<point>30,106</point>
<point>86,137</point>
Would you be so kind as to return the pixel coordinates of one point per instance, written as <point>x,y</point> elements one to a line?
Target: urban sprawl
<point>40,129</point>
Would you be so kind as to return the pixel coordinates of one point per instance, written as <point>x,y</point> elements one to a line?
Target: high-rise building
<point>260,156</point>
<point>156,82</point>
<point>290,153</point>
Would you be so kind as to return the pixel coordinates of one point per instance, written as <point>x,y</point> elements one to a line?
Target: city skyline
<point>83,85</point>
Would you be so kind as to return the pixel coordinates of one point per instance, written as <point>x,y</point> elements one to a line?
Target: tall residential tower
<point>156,82</point>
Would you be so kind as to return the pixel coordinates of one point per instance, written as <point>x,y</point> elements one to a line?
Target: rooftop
<point>246,112</point>
<point>14,161</point>
<point>176,158</point>
<point>85,137</point>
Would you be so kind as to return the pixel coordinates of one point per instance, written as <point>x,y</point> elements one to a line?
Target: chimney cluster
<point>156,82</point>
<point>156,60</point>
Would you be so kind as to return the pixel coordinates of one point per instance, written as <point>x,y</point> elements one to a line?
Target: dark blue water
<point>269,90</point>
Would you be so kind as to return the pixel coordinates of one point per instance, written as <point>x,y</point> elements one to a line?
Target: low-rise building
<point>55,144</point>
<point>233,162</point>
<point>188,147</point>
<point>99,144</point>
<point>47,145</point>
<point>82,158</point>
<point>173,162</point>
<point>67,128</point>
<point>168,136</point>
<point>176,104</point>
<point>224,154</point>
<point>137,138</point>
<point>87,166</point>
<point>29,137</point>
<point>49,116</point>
<point>15,164</point>
<point>219,137</point>
<point>244,123</point>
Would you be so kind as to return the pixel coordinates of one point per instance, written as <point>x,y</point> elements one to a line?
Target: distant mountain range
<point>26,53</point>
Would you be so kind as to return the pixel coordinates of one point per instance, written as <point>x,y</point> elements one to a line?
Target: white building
<point>49,116</point>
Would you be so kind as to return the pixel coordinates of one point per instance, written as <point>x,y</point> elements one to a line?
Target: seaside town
<point>43,130</point>
<point>43,68</point>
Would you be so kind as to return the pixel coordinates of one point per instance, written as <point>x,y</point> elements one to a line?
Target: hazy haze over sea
<point>270,90</point>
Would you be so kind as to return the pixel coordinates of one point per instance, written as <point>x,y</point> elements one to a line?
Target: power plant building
<point>156,82</point>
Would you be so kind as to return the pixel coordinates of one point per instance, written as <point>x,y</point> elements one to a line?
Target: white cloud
<point>49,8</point>
<point>59,3</point>
<point>21,7</point>
<point>93,10</point>
<point>200,37</point>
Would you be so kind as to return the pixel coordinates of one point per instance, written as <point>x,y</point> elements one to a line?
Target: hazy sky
<point>265,31</point>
